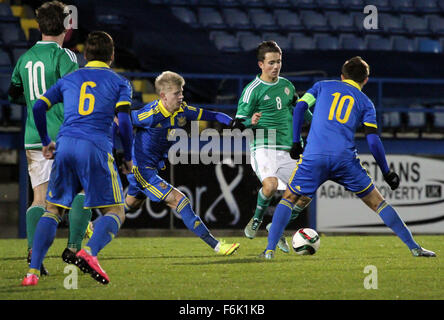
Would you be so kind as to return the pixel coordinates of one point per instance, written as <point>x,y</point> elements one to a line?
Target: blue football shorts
<point>146,182</point>
<point>78,165</point>
<point>313,170</point>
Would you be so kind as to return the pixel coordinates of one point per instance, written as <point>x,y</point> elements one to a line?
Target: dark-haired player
<point>36,71</point>
<point>92,97</point>
<point>330,153</point>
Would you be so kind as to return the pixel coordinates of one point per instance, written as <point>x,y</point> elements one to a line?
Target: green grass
<point>185,268</point>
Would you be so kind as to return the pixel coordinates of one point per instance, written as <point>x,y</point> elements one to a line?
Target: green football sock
<point>78,222</point>
<point>295,212</point>
<point>33,215</point>
<point>262,204</point>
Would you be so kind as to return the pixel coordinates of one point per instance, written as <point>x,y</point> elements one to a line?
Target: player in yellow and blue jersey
<point>330,154</point>
<point>154,123</point>
<point>92,97</point>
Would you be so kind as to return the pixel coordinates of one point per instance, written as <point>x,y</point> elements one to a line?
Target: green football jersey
<point>36,71</point>
<point>275,101</point>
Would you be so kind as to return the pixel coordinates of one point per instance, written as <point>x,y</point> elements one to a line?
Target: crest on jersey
<point>181,121</point>
<point>287,91</point>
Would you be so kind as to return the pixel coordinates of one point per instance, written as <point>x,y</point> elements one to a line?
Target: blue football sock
<point>281,217</point>
<point>194,223</point>
<point>394,222</point>
<point>105,230</point>
<point>44,236</point>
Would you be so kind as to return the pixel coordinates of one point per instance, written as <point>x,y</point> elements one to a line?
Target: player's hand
<point>392,179</point>
<point>296,150</point>
<point>48,151</point>
<point>237,124</point>
<point>255,118</point>
<point>127,167</point>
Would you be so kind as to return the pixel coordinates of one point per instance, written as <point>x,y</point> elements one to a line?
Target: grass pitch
<point>187,269</point>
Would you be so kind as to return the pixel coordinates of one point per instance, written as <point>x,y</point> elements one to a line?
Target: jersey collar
<point>352,83</point>
<point>97,64</point>
<point>48,42</point>
<point>167,113</point>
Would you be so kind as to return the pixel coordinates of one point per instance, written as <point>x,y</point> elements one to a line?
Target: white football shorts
<point>273,163</point>
<point>39,168</point>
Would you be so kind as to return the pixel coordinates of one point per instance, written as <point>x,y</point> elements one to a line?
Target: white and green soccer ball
<point>306,241</point>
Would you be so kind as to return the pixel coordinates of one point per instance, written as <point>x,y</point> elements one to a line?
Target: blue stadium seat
<point>329,4</point>
<point>185,15</point>
<point>262,19</point>
<point>301,42</point>
<point>358,22</point>
<point>391,120</point>
<point>314,21</point>
<point>304,4</point>
<point>281,40</point>
<point>378,43</point>
<point>351,42</point>
<point>391,24</point>
<point>427,6</point>
<point>353,4</point>
<point>249,42</point>
<point>5,80</point>
<point>340,21</point>
<point>252,3</point>
<point>416,25</point>
<point>326,42</point>
<point>436,25</point>
<point>438,117</point>
<point>279,3</point>
<point>406,6</point>
<point>416,119</point>
<point>288,20</point>
<point>5,61</point>
<point>381,5</point>
<point>226,43</point>
<point>5,10</point>
<point>401,43</point>
<point>229,3</point>
<point>236,18</point>
<point>428,45</point>
<point>12,34</point>
<point>210,18</point>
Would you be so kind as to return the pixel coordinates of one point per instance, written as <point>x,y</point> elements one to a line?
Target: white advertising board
<point>419,200</point>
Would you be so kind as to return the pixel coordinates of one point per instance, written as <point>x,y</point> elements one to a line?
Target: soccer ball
<point>306,241</point>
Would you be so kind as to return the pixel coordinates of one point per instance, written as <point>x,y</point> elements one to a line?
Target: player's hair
<point>356,69</point>
<point>168,79</point>
<point>99,46</point>
<point>267,46</point>
<point>50,18</point>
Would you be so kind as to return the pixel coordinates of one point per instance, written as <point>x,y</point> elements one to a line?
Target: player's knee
<point>269,186</point>
<point>303,202</point>
<point>173,198</point>
<point>132,204</point>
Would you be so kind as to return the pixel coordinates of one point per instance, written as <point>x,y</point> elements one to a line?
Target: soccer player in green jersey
<point>270,98</point>
<point>36,71</point>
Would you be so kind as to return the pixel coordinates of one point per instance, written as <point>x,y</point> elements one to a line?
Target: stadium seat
<point>353,4</point>
<point>436,25</point>
<point>5,61</point>
<point>5,80</point>
<point>314,21</point>
<point>262,19</point>
<point>403,5</point>
<point>229,3</point>
<point>378,43</point>
<point>249,41</point>
<point>278,3</point>
<point>301,42</point>
<point>326,42</point>
<point>391,24</point>
<point>351,42</point>
<point>226,43</point>
<point>427,6</point>
<point>329,4</point>
<point>27,24</point>
<point>400,43</point>
<point>381,5</point>
<point>288,20</point>
<point>340,21</point>
<point>427,45</point>
<point>416,25</point>
<point>5,10</point>
<point>210,18</point>
<point>185,15</point>
<point>416,119</point>
<point>305,4</point>
<point>438,117</point>
<point>251,3</point>
<point>12,34</point>
<point>236,19</point>
<point>283,41</point>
